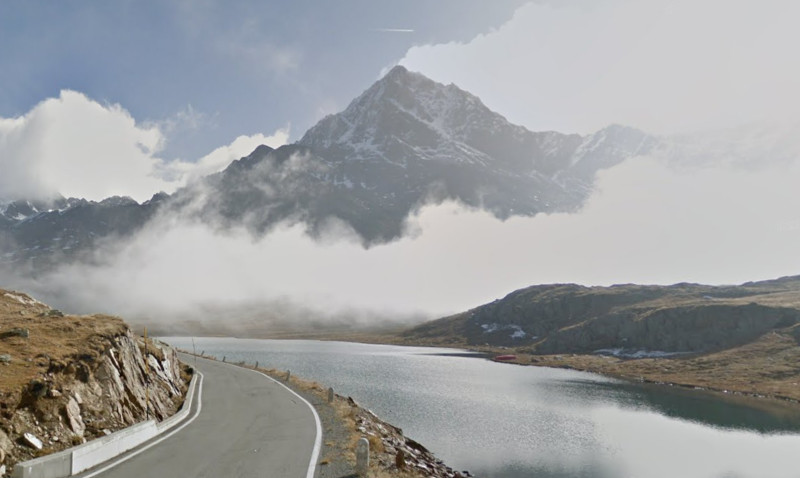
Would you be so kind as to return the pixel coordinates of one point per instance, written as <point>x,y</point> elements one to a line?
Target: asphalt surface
<point>248,426</point>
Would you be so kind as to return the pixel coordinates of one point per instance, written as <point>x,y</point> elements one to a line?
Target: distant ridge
<point>627,320</point>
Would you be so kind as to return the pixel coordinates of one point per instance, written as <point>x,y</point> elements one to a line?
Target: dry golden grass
<point>376,444</point>
<point>52,337</point>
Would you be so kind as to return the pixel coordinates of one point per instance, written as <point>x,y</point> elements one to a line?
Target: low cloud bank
<point>647,222</point>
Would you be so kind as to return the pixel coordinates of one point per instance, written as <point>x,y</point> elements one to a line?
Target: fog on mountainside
<point>415,202</point>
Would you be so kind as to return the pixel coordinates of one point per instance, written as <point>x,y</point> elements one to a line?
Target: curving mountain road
<point>242,424</point>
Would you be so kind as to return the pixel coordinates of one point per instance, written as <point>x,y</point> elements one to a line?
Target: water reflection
<point>503,421</point>
<point>726,411</point>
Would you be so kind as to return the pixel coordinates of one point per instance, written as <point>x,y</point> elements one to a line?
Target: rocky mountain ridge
<point>405,142</point>
<point>632,321</point>
<point>67,379</point>
<point>34,235</point>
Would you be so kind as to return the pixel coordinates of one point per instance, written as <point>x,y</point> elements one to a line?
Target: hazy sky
<point>129,98</point>
<point>135,97</point>
<point>206,72</point>
<point>663,66</point>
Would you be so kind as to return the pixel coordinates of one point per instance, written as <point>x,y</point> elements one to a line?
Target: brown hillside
<point>67,379</point>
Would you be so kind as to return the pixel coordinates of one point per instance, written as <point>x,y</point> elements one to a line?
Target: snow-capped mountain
<point>405,142</point>
<point>406,116</point>
<point>406,119</point>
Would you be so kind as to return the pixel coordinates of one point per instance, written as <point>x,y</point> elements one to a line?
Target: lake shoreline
<point>766,369</point>
<point>392,454</point>
<point>514,422</point>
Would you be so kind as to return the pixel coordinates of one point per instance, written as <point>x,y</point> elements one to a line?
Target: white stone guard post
<point>362,457</point>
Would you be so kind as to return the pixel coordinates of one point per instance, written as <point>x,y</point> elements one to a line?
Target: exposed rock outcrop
<point>74,378</point>
<point>392,451</point>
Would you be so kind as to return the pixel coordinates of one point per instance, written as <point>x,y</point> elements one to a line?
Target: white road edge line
<point>312,465</point>
<point>159,440</point>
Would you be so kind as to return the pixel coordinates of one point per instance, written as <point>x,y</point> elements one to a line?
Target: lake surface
<point>505,421</point>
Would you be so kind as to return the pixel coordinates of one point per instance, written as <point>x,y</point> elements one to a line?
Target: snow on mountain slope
<point>406,116</point>
<point>405,142</point>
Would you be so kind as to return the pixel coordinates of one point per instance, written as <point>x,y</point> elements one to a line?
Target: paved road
<point>248,426</point>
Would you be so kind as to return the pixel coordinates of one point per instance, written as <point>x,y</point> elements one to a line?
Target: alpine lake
<point>504,421</point>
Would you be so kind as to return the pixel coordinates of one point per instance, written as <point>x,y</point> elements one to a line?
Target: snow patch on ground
<point>516,330</point>
<point>637,354</point>
<point>24,300</point>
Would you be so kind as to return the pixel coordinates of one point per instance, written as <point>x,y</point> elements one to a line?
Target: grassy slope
<point>767,363</point>
<point>51,337</point>
<point>65,357</point>
<point>769,367</point>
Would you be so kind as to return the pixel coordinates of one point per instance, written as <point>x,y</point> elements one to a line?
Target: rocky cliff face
<point>67,379</point>
<point>626,320</point>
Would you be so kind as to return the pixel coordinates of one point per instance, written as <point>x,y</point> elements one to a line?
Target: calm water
<point>506,421</point>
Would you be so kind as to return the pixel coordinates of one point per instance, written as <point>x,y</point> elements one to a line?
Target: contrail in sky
<point>393,30</point>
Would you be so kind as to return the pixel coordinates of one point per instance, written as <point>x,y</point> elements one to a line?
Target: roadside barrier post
<point>194,352</point>
<point>362,457</point>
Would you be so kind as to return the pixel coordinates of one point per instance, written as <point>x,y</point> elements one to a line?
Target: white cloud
<point>75,146</point>
<point>665,67</point>
<point>222,156</point>
<point>187,119</point>
<point>647,223</point>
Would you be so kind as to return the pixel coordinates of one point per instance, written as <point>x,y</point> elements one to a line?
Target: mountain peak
<point>400,81</point>
<point>396,71</point>
<point>404,107</point>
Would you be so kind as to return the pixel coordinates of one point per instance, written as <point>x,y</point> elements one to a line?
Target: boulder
<point>5,443</point>
<point>73,412</point>
<point>31,440</point>
<point>15,332</point>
